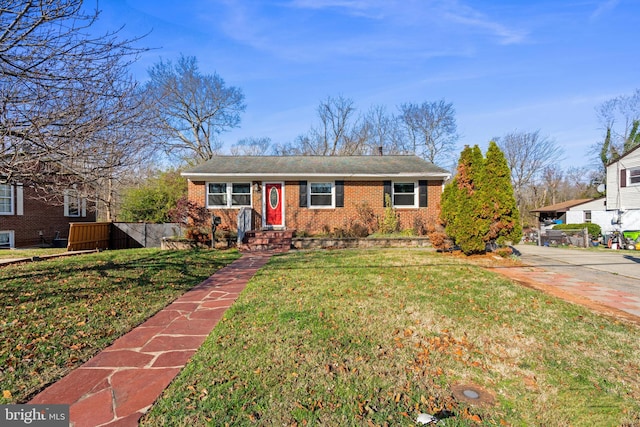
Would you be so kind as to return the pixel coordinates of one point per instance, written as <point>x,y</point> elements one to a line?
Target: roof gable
<point>633,150</point>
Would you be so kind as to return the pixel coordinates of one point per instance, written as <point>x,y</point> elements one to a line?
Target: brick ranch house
<point>314,194</point>
<point>26,220</point>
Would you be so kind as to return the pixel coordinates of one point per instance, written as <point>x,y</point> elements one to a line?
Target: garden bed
<point>355,242</point>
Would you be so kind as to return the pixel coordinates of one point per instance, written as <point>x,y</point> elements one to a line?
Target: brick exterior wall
<point>38,217</point>
<point>357,194</point>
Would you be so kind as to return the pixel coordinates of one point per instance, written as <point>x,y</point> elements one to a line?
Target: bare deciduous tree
<point>431,129</point>
<point>340,131</point>
<point>427,130</point>
<point>383,132</point>
<point>192,108</point>
<point>527,154</point>
<point>251,147</point>
<point>552,180</point>
<point>620,119</point>
<point>63,92</point>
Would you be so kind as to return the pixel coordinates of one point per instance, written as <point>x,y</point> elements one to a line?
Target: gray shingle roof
<point>310,166</point>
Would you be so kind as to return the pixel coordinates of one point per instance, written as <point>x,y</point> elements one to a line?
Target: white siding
<point>599,215</point>
<point>623,197</point>
<point>575,217</point>
<point>630,220</point>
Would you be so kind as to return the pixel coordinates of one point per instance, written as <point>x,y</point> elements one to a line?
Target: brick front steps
<point>267,240</point>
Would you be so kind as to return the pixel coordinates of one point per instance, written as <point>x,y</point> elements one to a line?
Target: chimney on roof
<point>380,150</point>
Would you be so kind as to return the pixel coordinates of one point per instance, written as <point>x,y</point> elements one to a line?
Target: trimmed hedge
<point>594,230</point>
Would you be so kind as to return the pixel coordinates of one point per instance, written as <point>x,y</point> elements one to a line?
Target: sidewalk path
<point>118,385</point>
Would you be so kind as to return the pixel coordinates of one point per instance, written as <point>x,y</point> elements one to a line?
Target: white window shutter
<point>84,207</point>
<point>19,199</point>
<point>66,203</point>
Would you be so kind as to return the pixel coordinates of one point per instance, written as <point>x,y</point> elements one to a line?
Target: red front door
<point>273,202</point>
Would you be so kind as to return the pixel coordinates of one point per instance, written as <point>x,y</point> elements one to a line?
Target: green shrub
<point>389,223</point>
<point>594,230</point>
<point>154,199</point>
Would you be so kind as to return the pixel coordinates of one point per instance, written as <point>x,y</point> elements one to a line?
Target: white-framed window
<point>74,205</point>
<point>587,216</point>
<point>228,194</point>
<point>634,176</point>
<point>6,199</point>
<point>405,195</point>
<point>6,239</point>
<point>321,195</point>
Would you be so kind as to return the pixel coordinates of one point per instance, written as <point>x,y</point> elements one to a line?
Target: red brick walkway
<point>118,385</point>
<point>596,296</point>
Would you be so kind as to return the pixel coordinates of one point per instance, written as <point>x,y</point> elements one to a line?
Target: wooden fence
<point>88,235</point>
<point>118,235</point>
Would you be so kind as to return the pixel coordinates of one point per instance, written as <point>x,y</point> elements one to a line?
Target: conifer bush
<point>478,206</point>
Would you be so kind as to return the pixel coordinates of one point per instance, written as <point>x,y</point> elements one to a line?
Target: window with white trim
<point>321,195</point>
<point>72,204</point>
<point>634,176</point>
<point>6,239</point>
<point>228,194</point>
<point>75,206</point>
<point>405,195</point>
<point>6,199</point>
<point>587,216</point>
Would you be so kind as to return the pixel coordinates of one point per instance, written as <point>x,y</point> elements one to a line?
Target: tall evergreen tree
<point>449,204</point>
<point>500,207</point>
<point>462,204</point>
<point>478,206</point>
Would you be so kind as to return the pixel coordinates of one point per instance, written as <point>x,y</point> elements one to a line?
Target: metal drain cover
<point>473,394</point>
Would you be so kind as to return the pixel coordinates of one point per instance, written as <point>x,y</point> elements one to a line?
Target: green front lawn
<point>29,253</point>
<point>56,314</point>
<point>376,337</point>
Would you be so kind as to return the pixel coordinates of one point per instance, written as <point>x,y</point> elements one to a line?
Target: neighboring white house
<point>623,190</point>
<point>593,211</point>
<point>548,216</point>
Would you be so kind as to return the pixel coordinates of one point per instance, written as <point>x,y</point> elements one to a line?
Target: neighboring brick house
<point>29,221</point>
<point>315,194</point>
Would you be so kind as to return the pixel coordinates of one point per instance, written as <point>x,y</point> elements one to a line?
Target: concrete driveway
<point>615,275</point>
<point>618,263</point>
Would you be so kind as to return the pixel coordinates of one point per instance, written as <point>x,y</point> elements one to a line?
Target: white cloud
<point>370,9</point>
<point>456,12</point>
<point>603,8</point>
<point>384,30</point>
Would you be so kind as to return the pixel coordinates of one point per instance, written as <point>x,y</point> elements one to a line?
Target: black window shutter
<point>422,194</point>
<point>623,178</point>
<point>339,194</point>
<point>303,194</point>
<point>387,190</point>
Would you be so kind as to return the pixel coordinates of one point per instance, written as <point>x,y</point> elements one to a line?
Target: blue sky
<point>505,65</point>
